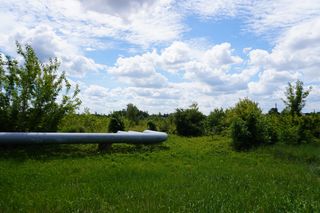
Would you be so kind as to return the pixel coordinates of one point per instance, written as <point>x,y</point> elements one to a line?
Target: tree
<point>151,126</point>
<point>215,122</point>
<point>296,97</point>
<point>189,122</point>
<point>248,128</point>
<point>33,95</point>
<point>132,113</point>
<point>116,124</point>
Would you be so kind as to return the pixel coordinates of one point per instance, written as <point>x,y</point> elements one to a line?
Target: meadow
<point>184,174</point>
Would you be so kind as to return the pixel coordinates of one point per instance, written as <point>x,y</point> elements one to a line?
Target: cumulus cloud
<point>213,66</point>
<point>179,72</point>
<point>295,56</point>
<point>271,81</point>
<point>138,71</point>
<point>47,44</point>
<point>296,51</point>
<point>96,91</point>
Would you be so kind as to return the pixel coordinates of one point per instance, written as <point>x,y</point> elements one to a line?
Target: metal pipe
<point>145,137</point>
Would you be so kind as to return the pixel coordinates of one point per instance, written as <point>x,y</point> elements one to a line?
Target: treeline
<point>36,97</point>
<point>244,123</point>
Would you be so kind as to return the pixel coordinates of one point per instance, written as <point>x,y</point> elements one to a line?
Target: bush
<point>216,122</point>
<point>189,122</point>
<point>311,123</point>
<point>248,127</point>
<point>296,129</point>
<point>85,122</point>
<point>116,124</point>
<point>151,126</point>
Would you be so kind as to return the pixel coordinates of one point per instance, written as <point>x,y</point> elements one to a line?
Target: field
<point>200,174</point>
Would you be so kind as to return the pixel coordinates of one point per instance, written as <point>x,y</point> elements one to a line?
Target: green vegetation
<point>116,124</point>
<point>279,170</point>
<point>202,174</point>
<point>29,93</point>
<point>216,122</point>
<point>248,126</point>
<point>189,122</point>
<point>296,98</point>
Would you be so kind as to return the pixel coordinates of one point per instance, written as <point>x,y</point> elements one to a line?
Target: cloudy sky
<point>160,55</point>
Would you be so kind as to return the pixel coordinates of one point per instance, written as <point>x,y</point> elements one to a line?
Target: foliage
<point>134,114</point>
<point>296,97</point>
<point>312,124</point>
<point>189,122</point>
<point>216,121</point>
<point>85,122</point>
<point>248,127</point>
<point>29,93</point>
<point>167,124</point>
<point>273,111</point>
<point>151,126</point>
<point>116,124</point>
<point>297,129</point>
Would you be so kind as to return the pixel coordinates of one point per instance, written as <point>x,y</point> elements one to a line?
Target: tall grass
<point>181,175</point>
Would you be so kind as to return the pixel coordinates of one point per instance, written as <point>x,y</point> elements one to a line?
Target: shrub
<point>216,122</point>
<point>296,129</point>
<point>167,124</point>
<point>248,127</point>
<point>116,124</point>
<point>189,122</point>
<point>151,126</point>
<point>85,122</point>
<point>311,123</point>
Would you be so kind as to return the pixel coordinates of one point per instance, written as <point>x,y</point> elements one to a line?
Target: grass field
<point>182,175</point>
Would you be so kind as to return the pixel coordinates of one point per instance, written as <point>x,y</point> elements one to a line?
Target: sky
<point>166,54</point>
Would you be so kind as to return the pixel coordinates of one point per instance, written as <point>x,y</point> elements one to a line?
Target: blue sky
<point>164,54</point>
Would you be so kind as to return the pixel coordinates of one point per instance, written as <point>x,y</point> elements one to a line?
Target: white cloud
<point>271,81</point>
<point>214,66</point>
<point>119,7</point>
<point>96,91</point>
<point>214,9</point>
<point>154,100</point>
<point>48,44</point>
<point>163,79</point>
<point>265,15</point>
<point>139,71</point>
<point>297,50</point>
<point>83,21</point>
<point>295,56</point>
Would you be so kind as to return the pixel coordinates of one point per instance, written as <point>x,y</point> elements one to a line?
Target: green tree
<point>189,122</point>
<point>116,123</point>
<point>248,128</point>
<point>215,122</point>
<point>151,126</point>
<point>295,98</point>
<point>133,113</point>
<point>33,95</point>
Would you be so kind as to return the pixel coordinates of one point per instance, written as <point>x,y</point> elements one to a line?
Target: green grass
<point>182,175</point>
